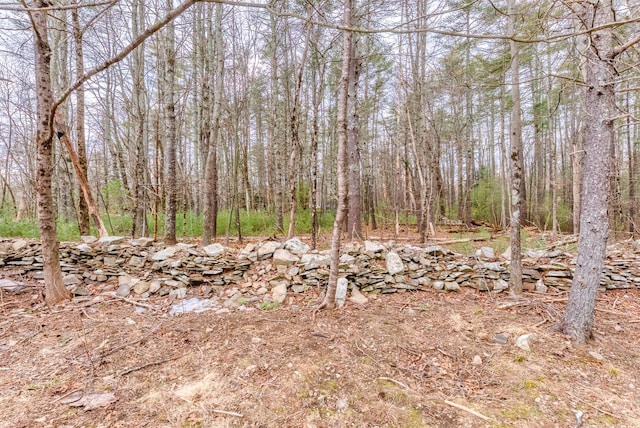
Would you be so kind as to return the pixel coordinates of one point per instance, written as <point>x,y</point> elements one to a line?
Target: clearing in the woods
<point>414,359</point>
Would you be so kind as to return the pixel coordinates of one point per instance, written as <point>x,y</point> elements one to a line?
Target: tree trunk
<point>211,169</point>
<point>83,209</point>
<point>517,173</point>
<point>55,290</point>
<point>354,222</point>
<point>329,297</point>
<point>139,227</point>
<point>170,112</point>
<point>600,109</point>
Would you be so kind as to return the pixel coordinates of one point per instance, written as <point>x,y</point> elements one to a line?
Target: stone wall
<point>144,267</point>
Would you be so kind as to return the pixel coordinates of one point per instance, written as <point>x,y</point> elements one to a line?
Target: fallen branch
<point>458,241</point>
<point>125,345</point>
<point>592,406</point>
<point>397,382</point>
<point>144,366</point>
<point>468,410</point>
<point>133,302</point>
<point>224,412</point>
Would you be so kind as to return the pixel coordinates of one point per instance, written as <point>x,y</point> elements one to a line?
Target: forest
<point>157,117</point>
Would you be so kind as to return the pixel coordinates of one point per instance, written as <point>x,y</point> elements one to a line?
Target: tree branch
<point>26,8</point>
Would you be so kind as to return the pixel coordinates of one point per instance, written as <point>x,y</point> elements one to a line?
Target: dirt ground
<point>423,359</point>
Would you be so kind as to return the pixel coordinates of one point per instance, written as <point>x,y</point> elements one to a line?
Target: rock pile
<point>267,271</point>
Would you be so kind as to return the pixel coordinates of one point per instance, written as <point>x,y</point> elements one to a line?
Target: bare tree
<point>211,166</point>
<point>600,72</point>
<point>517,170</point>
<point>343,96</point>
<point>55,290</point>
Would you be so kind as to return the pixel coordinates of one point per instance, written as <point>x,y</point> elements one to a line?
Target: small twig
<point>133,302</point>
<point>144,366</point>
<point>538,324</point>
<point>66,395</point>
<point>592,406</point>
<point>133,342</point>
<point>468,410</point>
<point>224,412</point>
<point>397,382</point>
<point>445,353</point>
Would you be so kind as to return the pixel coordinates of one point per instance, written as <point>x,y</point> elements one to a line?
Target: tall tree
<point>517,170</point>
<point>211,166</point>
<point>600,73</point>
<point>343,95</point>
<point>171,135</point>
<point>83,209</point>
<point>55,290</point>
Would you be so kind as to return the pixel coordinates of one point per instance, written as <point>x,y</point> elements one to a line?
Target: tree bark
<point>599,109</point>
<point>330,295</point>
<point>55,290</point>
<point>170,112</point>
<point>211,168</point>
<point>517,172</point>
<point>83,209</point>
<point>354,210</point>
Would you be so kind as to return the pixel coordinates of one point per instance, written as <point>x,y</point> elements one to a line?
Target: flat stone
<point>137,261</point>
<point>10,285</point>
<point>214,250</point>
<point>500,285</point>
<point>84,248</point>
<point>524,342</point>
<point>282,257</point>
<point>541,287</point>
<point>165,253</point>
<point>451,286</point>
<point>296,246</point>
<point>279,292</point>
<point>154,286</point>
<point>438,285</point>
<point>394,263</point>
<point>357,297</point>
<point>486,253</point>
<point>142,242</point>
<point>19,245</point>
<point>123,290</point>
<point>110,240</point>
<point>341,291</point>
<point>373,247</point>
<point>178,293</point>
<point>267,249</point>
<point>141,287</point>
<point>314,261</point>
<point>80,291</point>
<point>71,279</point>
<point>88,239</point>
<point>501,338</point>
<point>436,251</point>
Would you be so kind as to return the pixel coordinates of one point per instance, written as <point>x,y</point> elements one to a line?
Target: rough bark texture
<point>170,112</point>
<point>517,172</point>
<point>329,297</point>
<point>211,167</point>
<point>55,290</point>
<point>139,116</point>
<point>354,222</point>
<point>83,209</point>
<point>599,132</point>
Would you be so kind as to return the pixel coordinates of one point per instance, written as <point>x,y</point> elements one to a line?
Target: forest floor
<point>415,359</point>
